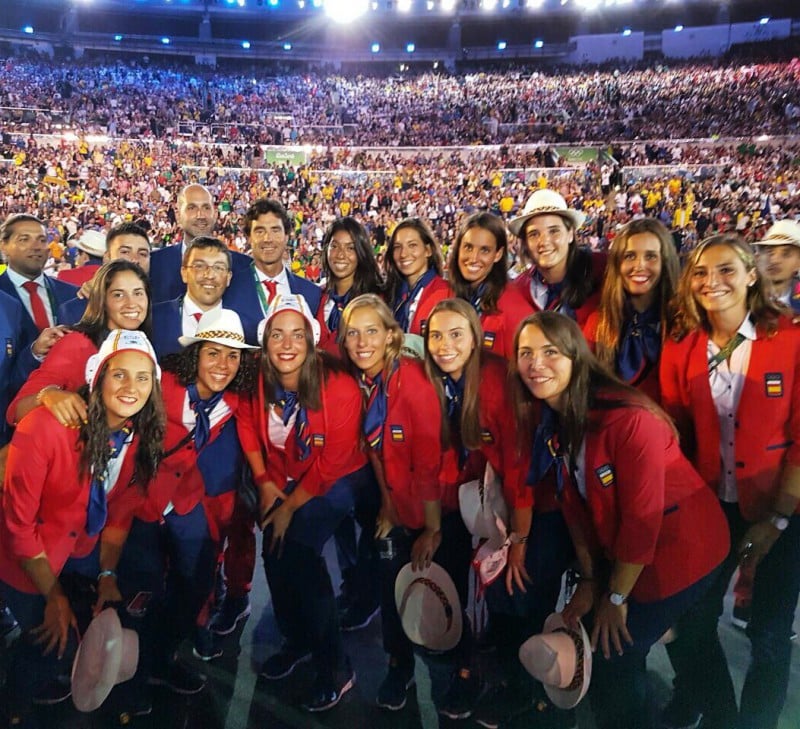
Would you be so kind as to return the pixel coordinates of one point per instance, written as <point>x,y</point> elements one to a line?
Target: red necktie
<point>197,316</point>
<point>272,289</point>
<point>40,317</point>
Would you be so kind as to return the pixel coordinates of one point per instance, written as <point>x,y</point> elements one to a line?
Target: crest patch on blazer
<point>398,436</point>
<point>606,475</point>
<point>773,384</point>
<point>488,340</point>
<point>318,440</point>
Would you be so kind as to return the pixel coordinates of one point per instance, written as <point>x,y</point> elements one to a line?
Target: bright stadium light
<point>410,48</point>
<point>429,4</point>
<point>301,4</point>
<point>117,37</point>
<point>489,5</point>
<point>506,3</point>
<point>764,20</point>
<point>448,5</point>
<point>165,41</point>
<point>501,45</point>
<point>404,5</point>
<point>376,48</point>
<point>28,29</point>
<point>678,28</point>
<point>588,4</point>
<point>287,46</point>
<point>345,11</point>
<point>538,44</point>
<point>626,32</point>
<point>246,45</point>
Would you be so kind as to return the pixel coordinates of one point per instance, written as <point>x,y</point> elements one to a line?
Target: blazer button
<point>73,534</point>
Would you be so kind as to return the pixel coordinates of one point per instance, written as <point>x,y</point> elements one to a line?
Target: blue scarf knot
<point>639,343</point>
<point>97,509</point>
<point>202,410</point>
<point>339,302</point>
<point>406,296</point>
<point>546,450</point>
<point>290,401</point>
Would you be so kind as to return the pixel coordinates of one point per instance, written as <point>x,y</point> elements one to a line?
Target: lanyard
<point>262,297</point>
<point>725,352</point>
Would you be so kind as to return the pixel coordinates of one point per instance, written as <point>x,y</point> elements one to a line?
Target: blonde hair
<point>379,306</point>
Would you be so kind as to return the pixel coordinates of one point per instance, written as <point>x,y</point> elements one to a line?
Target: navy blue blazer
<point>71,312</point>
<point>165,272</point>
<point>243,299</point>
<point>59,293</point>
<point>167,326</point>
<point>16,360</point>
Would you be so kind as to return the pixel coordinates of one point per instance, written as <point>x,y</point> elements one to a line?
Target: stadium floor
<point>236,698</point>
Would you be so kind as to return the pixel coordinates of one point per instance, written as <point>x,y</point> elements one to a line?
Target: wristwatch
<point>779,521</point>
<point>617,598</point>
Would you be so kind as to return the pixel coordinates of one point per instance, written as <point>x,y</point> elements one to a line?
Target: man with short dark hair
<point>206,274</point>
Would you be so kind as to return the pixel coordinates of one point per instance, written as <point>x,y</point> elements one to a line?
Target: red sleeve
<point>30,458</point>
<point>674,390</point>
<point>590,330</point>
<point>341,403</point>
<point>126,498</point>
<point>65,365</point>
<point>639,465</point>
<point>515,309</point>
<point>793,455</point>
<point>248,423</point>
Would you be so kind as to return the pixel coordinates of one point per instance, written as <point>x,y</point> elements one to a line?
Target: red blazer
<point>647,384</point>
<point>437,290</point>
<point>498,442</point>
<point>45,499</point>
<point>80,275</point>
<point>645,503</point>
<point>178,479</point>
<point>335,437</point>
<point>767,419</point>
<point>412,450</point>
<point>500,326</point>
<point>599,260</point>
<point>64,365</point>
<point>328,340</point>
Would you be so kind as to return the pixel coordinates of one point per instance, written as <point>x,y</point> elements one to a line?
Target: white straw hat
<point>545,202</point>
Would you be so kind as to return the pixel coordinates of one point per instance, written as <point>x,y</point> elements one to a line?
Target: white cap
<point>119,340</point>
<point>289,302</point>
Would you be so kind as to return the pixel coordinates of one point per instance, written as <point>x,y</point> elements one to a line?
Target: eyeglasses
<point>199,268</point>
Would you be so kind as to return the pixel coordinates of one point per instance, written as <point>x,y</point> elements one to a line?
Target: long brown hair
<point>498,277</point>
<point>149,424</point>
<point>612,299</point>
<point>470,426</point>
<point>380,307</point>
<point>591,385</point>
<point>312,371</point>
<point>94,322</point>
<point>394,279</point>
<point>689,316</point>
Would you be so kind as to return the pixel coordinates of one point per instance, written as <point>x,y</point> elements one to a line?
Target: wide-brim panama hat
<point>221,326</point>
<point>92,242</point>
<point>289,302</point>
<point>108,655</point>
<point>561,658</point>
<point>481,503</point>
<point>117,341</point>
<point>545,202</point>
<point>428,606</point>
<point>784,232</point>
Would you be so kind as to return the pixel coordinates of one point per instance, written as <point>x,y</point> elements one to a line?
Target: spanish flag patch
<point>773,384</point>
<point>397,434</point>
<point>488,340</point>
<point>318,440</point>
<point>487,437</point>
<point>606,475</point>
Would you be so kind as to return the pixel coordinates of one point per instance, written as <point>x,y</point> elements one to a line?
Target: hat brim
<point>782,241</point>
<point>446,640</point>
<point>97,662</point>
<point>564,698</point>
<point>224,341</point>
<point>91,251</point>
<point>517,225</point>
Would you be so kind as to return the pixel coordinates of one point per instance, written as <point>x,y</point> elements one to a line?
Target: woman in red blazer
<point>563,276</point>
<point>301,435</point>
<point>401,428</point>
<point>350,268</point>
<point>633,504</point>
<point>635,314</point>
<point>731,379</point>
<point>66,494</point>
<point>414,282</point>
<point>120,299</point>
<point>478,273</point>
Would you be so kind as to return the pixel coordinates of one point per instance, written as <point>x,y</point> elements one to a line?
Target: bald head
<point>197,215</point>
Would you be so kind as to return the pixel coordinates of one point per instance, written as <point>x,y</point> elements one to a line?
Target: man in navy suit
<point>23,241</point>
<point>206,274</point>
<point>196,216</point>
<point>268,226</point>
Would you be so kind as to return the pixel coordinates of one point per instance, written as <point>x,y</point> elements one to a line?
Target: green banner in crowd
<point>292,157</point>
<point>577,156</point>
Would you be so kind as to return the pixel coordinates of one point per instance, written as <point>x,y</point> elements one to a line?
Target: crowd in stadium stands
<point>679,101</point>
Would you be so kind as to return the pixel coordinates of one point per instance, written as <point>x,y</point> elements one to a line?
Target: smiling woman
<point>67,497</point>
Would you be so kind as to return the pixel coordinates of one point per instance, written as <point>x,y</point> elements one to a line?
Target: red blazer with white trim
<point>767,419</point>
<point>645,504</point>
<point>335,437</point>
